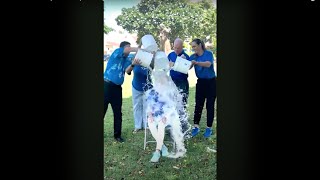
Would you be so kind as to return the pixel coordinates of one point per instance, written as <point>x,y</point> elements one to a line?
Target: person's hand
<point>136,61</point>
<point>193,62</point>
<point>182,56</point>
<point>171,64</point>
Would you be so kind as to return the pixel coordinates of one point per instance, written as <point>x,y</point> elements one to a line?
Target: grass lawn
<point>130,161</point>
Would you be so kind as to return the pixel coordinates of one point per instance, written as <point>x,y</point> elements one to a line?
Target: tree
<point>167,20</point>
<point>107,29</point>
<point>208,26</point>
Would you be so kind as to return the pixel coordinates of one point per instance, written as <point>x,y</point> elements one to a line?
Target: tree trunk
<point>165,41</point>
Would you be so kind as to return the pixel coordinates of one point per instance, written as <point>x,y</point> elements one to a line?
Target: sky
<point>112,9</point>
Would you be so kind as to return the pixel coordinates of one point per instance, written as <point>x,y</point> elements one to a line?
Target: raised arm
<point>130,68</point>
<point>127,50</point>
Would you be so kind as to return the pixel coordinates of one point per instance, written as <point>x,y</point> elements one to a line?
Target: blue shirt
<point>204,72</point>
<point>175,75</point>
<point>140,76</point>
<point>116,67</point>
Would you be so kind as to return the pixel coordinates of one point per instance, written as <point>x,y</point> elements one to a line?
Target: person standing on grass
<point>202,60</point>
<point>139,86</point>
<point>113,79</point>
<point>180,79</point>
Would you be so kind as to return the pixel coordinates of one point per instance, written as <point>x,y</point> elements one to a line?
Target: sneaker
<point>208,133</point>
<point>156,156</point>
<point>164,151</point>
<point>135,131</point>
<point>119,139</point>
<point>195,131</point>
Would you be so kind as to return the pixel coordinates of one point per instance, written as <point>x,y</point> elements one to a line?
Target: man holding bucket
<point>113,79</point>
<point>139,86</point>
<point>180,79</point>
<point>140,67</point>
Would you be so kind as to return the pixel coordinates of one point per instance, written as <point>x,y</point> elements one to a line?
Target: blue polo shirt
<point>204,72</point>
<point>139,81</point>
<point>175,75</point>
<point>116,67</point>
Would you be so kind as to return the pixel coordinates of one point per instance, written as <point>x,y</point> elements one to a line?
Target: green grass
<point>130,161</point>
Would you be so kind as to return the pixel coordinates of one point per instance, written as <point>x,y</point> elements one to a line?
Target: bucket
<point>145,57</point>
<point>181,65</point>
<point>148,43</point>
<point>161,61</point>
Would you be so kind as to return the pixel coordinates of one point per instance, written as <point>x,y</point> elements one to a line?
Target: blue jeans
<point>139,108</point>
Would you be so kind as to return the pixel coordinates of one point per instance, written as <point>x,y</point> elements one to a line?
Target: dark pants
<point>183,86</point>
<point>205,90</point>
<point>113,95</point>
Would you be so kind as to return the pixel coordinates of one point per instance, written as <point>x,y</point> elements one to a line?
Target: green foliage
<point>208,26</point>
<point>184,19</point>
<point>107,29</point>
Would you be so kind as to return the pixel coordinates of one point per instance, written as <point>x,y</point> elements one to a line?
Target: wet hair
<point>198,42</point>
<point>124,43</point>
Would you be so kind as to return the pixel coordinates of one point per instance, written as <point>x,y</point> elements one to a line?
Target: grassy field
<point>130,161</point>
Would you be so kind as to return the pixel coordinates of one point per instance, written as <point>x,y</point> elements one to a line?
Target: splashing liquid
<point>169,103</point>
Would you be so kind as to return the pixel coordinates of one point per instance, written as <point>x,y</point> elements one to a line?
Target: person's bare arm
<point>203,64</point>
<point>130,68</point>
<point>127,50</point>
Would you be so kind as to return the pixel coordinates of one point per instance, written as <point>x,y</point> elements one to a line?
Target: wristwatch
<point>132,65</point>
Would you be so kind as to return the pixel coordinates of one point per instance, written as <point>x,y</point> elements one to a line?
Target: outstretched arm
<point>127,50</point>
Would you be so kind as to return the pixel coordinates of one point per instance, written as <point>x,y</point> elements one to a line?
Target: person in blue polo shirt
<point>113,79</point>
<point>139,86</point>
<point>180,79</point>
<point>202,61</point>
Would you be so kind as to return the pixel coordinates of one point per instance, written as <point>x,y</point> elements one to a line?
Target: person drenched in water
<point>157,121</point>
<point>162,112</point>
